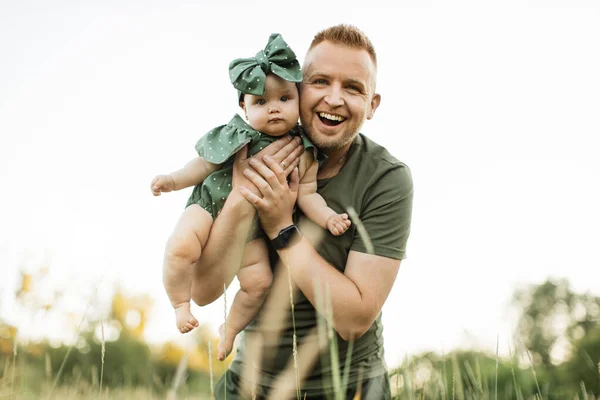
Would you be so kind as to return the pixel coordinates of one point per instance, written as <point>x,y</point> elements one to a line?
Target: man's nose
<point>334,96</point>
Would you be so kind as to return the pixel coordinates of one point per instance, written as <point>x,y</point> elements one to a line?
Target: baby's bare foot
<point>338,224</point>
<point>225,343</point>
<point>184,319</point>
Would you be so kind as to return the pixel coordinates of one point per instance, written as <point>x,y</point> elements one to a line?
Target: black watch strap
<point>287,236</point>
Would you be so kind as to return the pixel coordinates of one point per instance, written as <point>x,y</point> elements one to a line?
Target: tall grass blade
<point>361,230</point>
<point>537,384</point>
<point>333,347</point>
<point>583,390</point>
<point>458,388</point>
<point>347,365</point>
<point>294,337</point>
<point>474,385</point>
<point>14,367</point>
<point>103,351</point>
<point>497,365</point>
<point>512,370</point>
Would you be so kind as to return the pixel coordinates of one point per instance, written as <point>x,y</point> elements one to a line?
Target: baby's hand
<point>338,224</point>
<point>162,183</point>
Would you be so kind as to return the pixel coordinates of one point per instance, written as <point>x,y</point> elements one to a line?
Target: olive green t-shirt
<point>379,188</point>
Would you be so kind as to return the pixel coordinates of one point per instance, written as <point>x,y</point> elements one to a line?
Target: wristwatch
<point>287,236</point>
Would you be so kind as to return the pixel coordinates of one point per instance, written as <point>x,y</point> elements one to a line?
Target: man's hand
<point>276,205</point>
<point>285,151</point>
<point>162,183</point>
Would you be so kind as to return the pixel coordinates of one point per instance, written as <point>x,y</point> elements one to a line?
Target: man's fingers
<point>264,187</point>
<point>291,167</point>
<point>275,147</point>
<point>293,156</point>
<point>276,170</point>
<point>283,153</point>
<point>269,170</point>
<point>251,197</point>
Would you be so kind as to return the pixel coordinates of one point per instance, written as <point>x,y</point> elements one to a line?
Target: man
<point>354,271</point>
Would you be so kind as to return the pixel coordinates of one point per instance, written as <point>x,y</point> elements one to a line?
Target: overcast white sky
<point>493,104</point>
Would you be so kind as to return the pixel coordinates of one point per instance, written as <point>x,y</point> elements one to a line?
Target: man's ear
<point>375,101</point>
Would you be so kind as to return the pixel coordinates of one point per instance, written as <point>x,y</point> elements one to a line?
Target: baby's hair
<point>347,35</point>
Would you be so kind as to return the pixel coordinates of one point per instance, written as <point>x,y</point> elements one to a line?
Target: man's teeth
<point>331,117</point>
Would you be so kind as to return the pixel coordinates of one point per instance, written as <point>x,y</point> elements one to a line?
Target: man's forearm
<point>222,255</point>
<point>315,277</point>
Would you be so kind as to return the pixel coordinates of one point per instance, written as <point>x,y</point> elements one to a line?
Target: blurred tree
<point>555,324</point>
<point>131,312</point>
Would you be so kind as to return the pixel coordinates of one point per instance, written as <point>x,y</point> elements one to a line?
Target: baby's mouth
<point>331,119</point>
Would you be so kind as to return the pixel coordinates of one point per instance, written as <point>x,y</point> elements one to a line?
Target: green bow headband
<point>248,75</point>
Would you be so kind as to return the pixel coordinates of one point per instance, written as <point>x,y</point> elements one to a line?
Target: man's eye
<point>284,98</point>
<point>320,82</point>
<point>354,88</point>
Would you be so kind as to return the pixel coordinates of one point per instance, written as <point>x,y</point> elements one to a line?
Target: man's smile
<point>330,119</point>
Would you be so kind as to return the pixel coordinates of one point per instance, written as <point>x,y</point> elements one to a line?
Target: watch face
<point>285,236</point>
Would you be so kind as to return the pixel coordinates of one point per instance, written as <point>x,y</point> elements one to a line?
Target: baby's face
<point>275,112</point>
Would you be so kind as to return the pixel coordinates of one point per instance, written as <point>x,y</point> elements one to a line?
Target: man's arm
<point>357,295</point>
<point>222,255</point>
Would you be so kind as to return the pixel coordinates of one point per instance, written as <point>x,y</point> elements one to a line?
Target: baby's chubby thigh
<point>190,234</point>
<point>255,275</point>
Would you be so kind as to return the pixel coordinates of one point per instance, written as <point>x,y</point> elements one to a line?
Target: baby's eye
<point>284,98</point>
<point>261,102</point>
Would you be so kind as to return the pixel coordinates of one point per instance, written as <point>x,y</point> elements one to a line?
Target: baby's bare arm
<point>314,206</point>
<point>194,172</point>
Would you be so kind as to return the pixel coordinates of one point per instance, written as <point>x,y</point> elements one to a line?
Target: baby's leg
<point>255,279</point>
<point>182,252</point>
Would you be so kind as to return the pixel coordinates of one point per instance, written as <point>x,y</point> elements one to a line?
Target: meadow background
<point>493,104</point>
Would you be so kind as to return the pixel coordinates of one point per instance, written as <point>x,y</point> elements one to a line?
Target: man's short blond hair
<point>347,35</point>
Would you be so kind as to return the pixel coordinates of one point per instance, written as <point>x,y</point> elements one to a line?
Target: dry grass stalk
<point>178,378</point>
<point>210,369</point>
<point>309,350</point>
<point>225,326</point>
<point>275,310</point>
<point>62,365</point>
<point>251,368</point>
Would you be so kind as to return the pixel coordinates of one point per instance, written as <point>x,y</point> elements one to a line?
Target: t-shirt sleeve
<point>386,215</point>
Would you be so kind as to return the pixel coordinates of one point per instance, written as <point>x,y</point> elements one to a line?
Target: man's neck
<point>335,161</point>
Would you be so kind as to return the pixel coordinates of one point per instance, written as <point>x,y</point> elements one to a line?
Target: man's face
<point>337,94</point>
<point>276,112</point>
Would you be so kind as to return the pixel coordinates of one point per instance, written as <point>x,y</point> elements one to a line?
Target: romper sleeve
<point>220,143</point>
